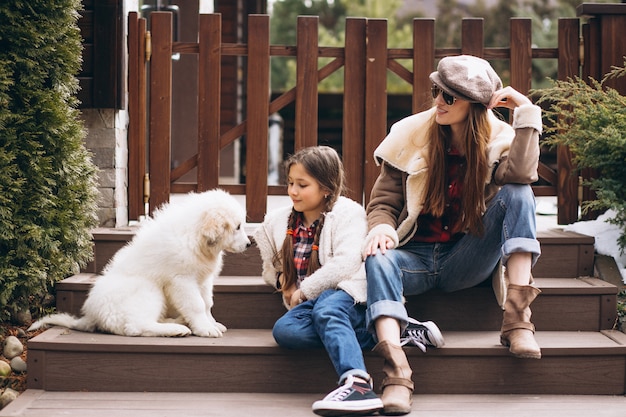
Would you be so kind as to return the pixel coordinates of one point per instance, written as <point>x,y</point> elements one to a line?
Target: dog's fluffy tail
<point>64,320</point>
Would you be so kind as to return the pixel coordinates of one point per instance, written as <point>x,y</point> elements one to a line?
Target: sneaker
<point>422,334</point>
<point>352,398</point>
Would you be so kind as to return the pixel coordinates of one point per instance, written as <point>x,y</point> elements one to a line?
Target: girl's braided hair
<point>324,164</point>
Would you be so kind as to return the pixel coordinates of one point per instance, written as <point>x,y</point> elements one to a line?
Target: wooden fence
<point>366,60</point>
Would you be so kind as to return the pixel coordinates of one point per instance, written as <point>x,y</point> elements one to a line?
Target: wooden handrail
<point>366,61</point>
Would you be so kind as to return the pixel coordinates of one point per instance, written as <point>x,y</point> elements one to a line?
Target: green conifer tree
<point>47,180</point>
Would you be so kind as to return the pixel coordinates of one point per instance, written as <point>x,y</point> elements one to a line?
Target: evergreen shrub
<point>590,118</point>
<point>47,179</point>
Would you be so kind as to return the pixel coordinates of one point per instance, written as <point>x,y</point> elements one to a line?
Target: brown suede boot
<point>397,386</point>
<point>517,331</point>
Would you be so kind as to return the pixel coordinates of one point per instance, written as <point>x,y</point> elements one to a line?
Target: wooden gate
<point>366,59</point>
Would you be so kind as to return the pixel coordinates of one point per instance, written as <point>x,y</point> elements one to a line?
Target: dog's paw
<point>221,327</point>
<point>157,329</point>
<point>215,330</point>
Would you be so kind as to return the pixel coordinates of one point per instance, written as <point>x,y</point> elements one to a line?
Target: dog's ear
<point>213,226</point>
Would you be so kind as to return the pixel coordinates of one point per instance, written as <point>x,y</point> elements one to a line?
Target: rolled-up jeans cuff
<point>355,372</point>
<point>523,245</point>
<point>386,308</point>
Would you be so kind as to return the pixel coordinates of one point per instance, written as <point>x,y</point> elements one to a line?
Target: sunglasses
<point>447,98</point>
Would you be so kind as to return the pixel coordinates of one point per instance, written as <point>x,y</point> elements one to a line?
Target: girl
<point>452,203</point>
<point>311,252</point>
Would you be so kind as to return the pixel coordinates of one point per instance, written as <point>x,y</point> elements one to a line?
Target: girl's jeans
<point>332,321</point>
<point>415,268</point>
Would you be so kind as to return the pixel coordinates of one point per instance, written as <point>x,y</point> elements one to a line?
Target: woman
<point>452,203</point>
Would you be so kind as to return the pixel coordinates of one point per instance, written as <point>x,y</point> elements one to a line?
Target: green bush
<point>590,118</point>
<point>47,180</point>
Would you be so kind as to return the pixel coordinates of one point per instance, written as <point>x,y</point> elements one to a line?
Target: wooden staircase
<point>574,316</point>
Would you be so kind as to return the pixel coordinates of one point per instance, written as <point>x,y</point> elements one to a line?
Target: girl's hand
<point>508,97</point>
<point>288,294</point>
<point>297,298</point>
<point>381,241</point>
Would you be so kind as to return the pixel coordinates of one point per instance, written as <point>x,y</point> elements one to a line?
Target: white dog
<point>162,281</point>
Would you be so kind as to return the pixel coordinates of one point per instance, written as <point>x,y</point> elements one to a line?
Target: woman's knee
<point>514,192</point>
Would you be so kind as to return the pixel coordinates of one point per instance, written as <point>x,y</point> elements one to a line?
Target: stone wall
<point>107,140</point>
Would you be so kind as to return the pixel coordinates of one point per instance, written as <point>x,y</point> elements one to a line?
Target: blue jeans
<point>509,227</point>
<point>333,321</point>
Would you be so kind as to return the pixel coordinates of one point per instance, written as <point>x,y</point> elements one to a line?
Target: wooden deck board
<point>239,284</point>
<point>37,403</point>
<point>261,340</point>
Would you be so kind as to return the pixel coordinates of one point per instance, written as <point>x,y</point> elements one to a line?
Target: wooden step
<point>564,254</point>
<point>585,304</point>
<point>149,404</point>
<point>248,360</point>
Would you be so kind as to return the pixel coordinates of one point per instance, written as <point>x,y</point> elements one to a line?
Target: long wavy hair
<point>476,134</point>
<point>324,164</point>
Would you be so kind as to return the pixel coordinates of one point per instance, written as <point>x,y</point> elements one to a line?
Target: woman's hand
<point>380,241</point>
<point>508,97</point>
<point>297,298</point>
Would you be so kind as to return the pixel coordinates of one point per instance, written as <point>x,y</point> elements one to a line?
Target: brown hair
<point>324,164</point>
<point>476,133</point>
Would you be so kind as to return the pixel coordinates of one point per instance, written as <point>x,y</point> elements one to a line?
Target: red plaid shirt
<point>302,246</point>
<point>447,227</point>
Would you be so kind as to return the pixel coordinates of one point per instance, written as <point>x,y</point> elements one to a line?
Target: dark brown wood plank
<point>306,81</point>
<point>137,115</point>
<point>375,98</point>
<point>521,63</point>
<point>209,93</point>
<point>567,196</point>
<point>423,63</point>
<point>353,136</point>
<point>257,117</point>
<point>160,108</point>
<point>472,37</point>
<point>613,47</point>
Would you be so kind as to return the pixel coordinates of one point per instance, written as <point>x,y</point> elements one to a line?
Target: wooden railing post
<point>306,82</point>
<point>567,187</point>
<point>160,108</point>
<point>257,113</point>
<point>136,114</point>
<point>423,62</point>
<point>472,37</point>
<point>209,96</point>
<point>608,47</point>
<point>521,54</point>
<point>375,97</point>
<point>353,152</point>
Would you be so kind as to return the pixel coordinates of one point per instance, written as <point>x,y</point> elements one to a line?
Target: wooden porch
<point>583,367</point>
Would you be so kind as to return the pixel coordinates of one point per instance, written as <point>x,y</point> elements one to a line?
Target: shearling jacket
<point>340,243</point>
<point>398,195</point>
